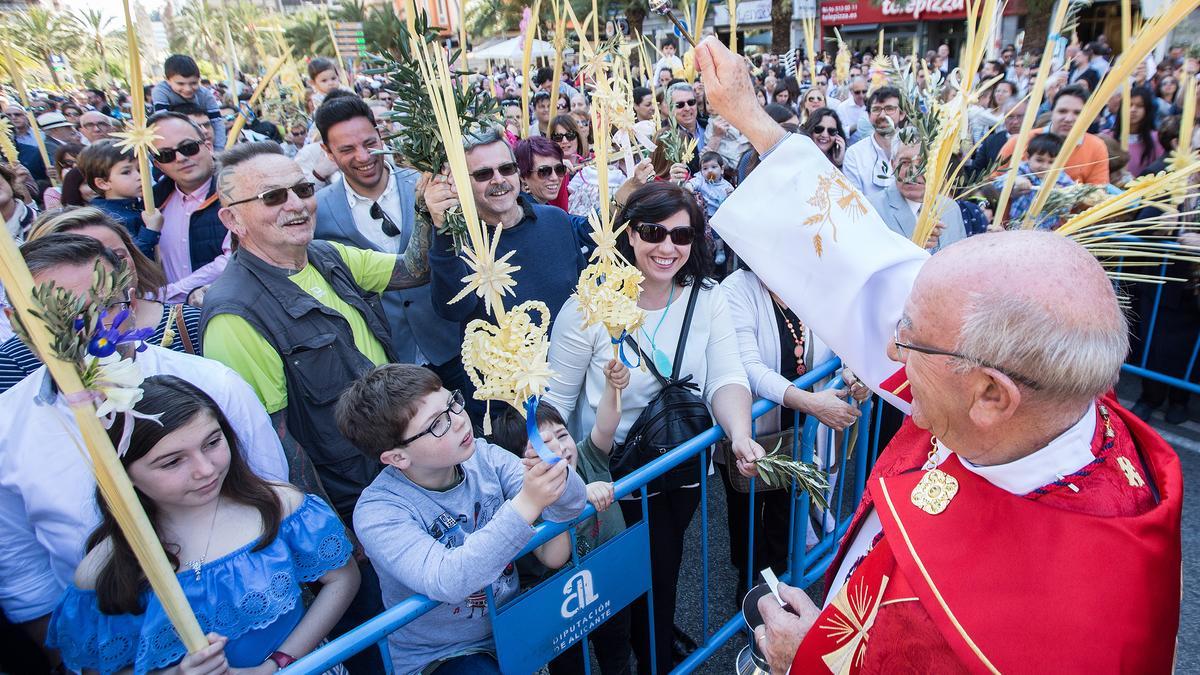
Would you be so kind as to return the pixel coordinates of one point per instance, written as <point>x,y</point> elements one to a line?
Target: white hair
<point>1067,361</point>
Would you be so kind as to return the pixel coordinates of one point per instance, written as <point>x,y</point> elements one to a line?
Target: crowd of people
<point>308,445</point>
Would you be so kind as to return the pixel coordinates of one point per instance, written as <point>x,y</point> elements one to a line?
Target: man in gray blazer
<point>899,204</point>
<point>372,205</point>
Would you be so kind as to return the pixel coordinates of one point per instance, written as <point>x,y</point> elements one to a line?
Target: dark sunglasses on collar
<point>278,196</point>
<point>653,233</point>
<point>484,175</point>
<point>186,148</point>
<point>559,138</point>
<point>690,103</point>
<point>387,225</point>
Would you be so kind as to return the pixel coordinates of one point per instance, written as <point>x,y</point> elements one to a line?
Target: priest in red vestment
<point>1021,520</point>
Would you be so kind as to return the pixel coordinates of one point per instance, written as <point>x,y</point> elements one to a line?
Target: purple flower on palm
<point>105,340</point>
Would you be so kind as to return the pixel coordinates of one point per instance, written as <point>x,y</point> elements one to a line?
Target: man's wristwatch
<point>281,659</point>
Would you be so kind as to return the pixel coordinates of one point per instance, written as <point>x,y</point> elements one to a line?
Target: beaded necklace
<point>797,335</point>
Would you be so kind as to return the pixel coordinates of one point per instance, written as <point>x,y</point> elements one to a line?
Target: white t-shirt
<point>578,356</point>
<point>48,491</point>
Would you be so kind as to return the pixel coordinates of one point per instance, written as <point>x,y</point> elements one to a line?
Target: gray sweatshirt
<point>415,551</point>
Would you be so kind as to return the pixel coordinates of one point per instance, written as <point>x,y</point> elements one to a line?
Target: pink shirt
<point>174,250</point>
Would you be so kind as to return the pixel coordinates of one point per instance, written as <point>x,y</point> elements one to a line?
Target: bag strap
<point>629,339</point>
<point>181,328</point>
<point>683,330</point>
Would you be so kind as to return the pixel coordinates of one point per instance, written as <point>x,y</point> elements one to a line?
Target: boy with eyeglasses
<point>448,514</point>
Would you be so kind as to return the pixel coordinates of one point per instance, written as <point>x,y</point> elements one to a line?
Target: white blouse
<point>578,356</point>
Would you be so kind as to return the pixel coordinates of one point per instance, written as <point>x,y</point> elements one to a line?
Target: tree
<point>781,26</point>
<point>43,34</point>
<point>308,36</point>
<point>95,28</point>
<point>198,31</point>
<point>382,31</point>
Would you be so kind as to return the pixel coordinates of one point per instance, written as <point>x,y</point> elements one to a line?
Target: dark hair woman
<point>243,576</point>
<point>666,241</point>
<point>825,129</point>
<point>1144,148</point>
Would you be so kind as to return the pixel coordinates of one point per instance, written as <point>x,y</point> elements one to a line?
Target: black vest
<point>319,356</point>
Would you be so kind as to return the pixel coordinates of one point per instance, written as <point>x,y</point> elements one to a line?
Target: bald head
<point>1034,302</point>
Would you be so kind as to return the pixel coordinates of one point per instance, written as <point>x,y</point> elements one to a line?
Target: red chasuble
<point>1079,576</point>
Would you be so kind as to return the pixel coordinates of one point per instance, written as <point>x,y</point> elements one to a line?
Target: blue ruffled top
<point>251,597</point>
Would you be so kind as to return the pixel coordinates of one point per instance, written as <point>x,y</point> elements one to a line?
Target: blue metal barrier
<point>1139,365</point>
<point>806,564</point>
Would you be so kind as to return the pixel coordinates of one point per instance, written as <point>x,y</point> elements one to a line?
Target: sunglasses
<point>562,106</point>
<point>653,233</point>
<point>690,103</point>
<point>559,138</point>
<point>278,196</point>
<point>858,92</point>
<point>484,175</point>
<point>388,226</point>
<point>186,148</point>
<point>817,131</point>
<point>545,171</point>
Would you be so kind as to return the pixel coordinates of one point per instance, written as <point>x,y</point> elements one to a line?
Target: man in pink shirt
<point>194,247</point>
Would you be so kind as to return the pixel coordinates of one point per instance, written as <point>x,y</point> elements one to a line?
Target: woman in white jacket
<point>666,242</point>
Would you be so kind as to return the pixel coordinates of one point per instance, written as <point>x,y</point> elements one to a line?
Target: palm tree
<point>43,34</point>
<point>382,31</point>
<point>781,26</point>
<point>197,30</point>
<point>95,27</point>
<point>308,36</point>
<point>353,11</point>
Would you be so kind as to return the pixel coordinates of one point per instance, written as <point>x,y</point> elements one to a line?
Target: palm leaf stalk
<point>1154,32</point>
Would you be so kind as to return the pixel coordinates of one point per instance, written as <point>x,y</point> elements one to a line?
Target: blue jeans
<point>469,664</point>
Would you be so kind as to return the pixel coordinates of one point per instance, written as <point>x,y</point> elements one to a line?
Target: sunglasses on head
<point>559,138</point>
<point>278,196</point>
<point>484,175</point>
<point>653,233</point>
<point>690,103</point>
<point>545,171</point>
<point>186,148</point>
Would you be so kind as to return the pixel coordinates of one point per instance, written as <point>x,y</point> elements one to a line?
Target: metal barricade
<point>852,452</point>
<point>1155,316</point>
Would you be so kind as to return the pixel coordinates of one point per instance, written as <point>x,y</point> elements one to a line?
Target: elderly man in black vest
<point>301,319</point>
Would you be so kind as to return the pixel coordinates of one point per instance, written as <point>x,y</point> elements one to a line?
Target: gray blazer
<point>414,324</point>
<point>899,218</point>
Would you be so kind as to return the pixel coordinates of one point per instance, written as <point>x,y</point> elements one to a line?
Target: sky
<point>108,7</point>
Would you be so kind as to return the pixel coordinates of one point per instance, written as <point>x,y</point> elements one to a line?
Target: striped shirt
<point>17,361</point>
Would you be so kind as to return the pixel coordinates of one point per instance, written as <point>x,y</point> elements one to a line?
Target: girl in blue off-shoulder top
<point>242,548</point>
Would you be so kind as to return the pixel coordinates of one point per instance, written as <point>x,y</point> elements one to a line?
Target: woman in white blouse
<point>775,348</point>
<point>666,241</point>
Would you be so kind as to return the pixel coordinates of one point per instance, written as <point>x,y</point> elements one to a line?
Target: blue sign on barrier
<point>539,625</point>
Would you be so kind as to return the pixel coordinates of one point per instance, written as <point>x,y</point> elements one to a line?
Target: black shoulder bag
<point>675,415</point>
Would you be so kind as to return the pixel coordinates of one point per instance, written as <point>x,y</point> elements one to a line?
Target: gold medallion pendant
<point>934,492</point>
<point>936,488</point>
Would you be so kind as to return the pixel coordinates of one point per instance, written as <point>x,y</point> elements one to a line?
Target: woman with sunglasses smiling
<point>665,240</point>
<point>825,129</point>
<point>543,173</point>
<point>565,132</point>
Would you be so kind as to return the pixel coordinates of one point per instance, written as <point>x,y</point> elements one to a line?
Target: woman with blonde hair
<point>176,327</point>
